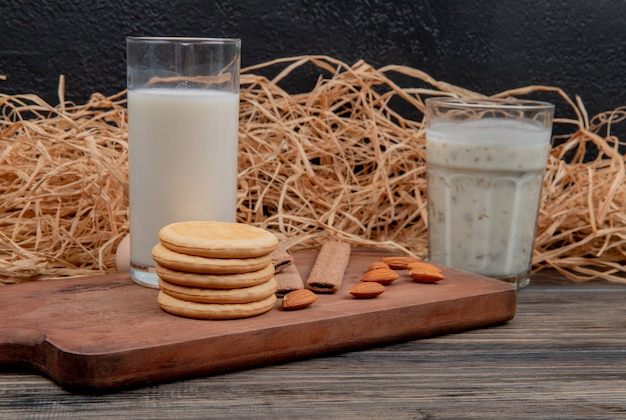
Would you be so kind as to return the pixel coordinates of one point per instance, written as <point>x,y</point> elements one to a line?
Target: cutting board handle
<point>20,345</point>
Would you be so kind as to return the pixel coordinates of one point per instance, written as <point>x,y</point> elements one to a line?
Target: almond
<point>299,299</point>
<point>366,290</point>
<point>422,272</point>
<point>398,263</point>
<point>380,275</point>
<point>421,265</point>
<point>377,265</point>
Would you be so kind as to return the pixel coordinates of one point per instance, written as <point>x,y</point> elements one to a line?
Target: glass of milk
<point>485,162</point>
<point>183,119</point>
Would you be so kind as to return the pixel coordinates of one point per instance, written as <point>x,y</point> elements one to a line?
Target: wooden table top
<point>562,356</point>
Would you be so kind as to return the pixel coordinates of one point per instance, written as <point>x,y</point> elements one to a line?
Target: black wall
<point>484,45</point>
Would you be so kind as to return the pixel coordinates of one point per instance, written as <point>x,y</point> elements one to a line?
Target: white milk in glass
<point>183,147</point>
<point>484,187</point>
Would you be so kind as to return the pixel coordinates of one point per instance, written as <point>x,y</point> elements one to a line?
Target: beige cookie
<point>216,281</point>
<point>194,264</point>
<point>214,310</point>
<point>201,295</point>
<point>218,239</point>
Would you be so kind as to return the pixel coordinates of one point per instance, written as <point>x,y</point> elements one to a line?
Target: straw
<point>344,160</point>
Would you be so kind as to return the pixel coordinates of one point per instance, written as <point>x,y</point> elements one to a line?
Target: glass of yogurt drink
<point>183,120</point>
<point>485,161</point>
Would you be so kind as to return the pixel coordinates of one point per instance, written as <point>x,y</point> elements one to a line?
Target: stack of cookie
<point>215,270</point>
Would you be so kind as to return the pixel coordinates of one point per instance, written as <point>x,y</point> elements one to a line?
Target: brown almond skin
<point>420,265</point>
<point>398,263</point>
<point>426,279</point>
<point>367,290</point>
<point>423,272</point>
<point>380,275</point>
<point>298,299</point>
<point>377,265</point>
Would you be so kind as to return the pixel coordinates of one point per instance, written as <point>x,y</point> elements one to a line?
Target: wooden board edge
<point>110,373</point>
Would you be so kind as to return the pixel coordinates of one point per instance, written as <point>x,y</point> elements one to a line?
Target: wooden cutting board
<point>101,333</point>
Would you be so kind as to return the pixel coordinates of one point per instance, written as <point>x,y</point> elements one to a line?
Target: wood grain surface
<point>105,332</point>
<point>562,356</point>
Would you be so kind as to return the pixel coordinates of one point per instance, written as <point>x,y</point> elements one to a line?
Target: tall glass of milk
<point>485,161</point>
<point>183,119</point>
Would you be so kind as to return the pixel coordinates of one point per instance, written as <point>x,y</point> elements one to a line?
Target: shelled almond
<point>298,299</point>
<point>380,275</point>
<point>376,265</point>
<point>398,263</point>
<point>367,290</point>
<point>422,272</point>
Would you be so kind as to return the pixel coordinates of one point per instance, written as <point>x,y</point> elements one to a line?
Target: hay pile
<point>336,161</point>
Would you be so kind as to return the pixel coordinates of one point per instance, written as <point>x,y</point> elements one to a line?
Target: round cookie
<point>194,264</point>
<point>218,239</point>
<point>216,281</point>
<point>200,295</point>
<point>214,310</point>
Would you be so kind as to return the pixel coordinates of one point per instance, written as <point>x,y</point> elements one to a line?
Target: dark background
<point>484,45</point>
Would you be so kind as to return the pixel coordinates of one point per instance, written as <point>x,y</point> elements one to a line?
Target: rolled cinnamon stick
<point>329,267</point>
